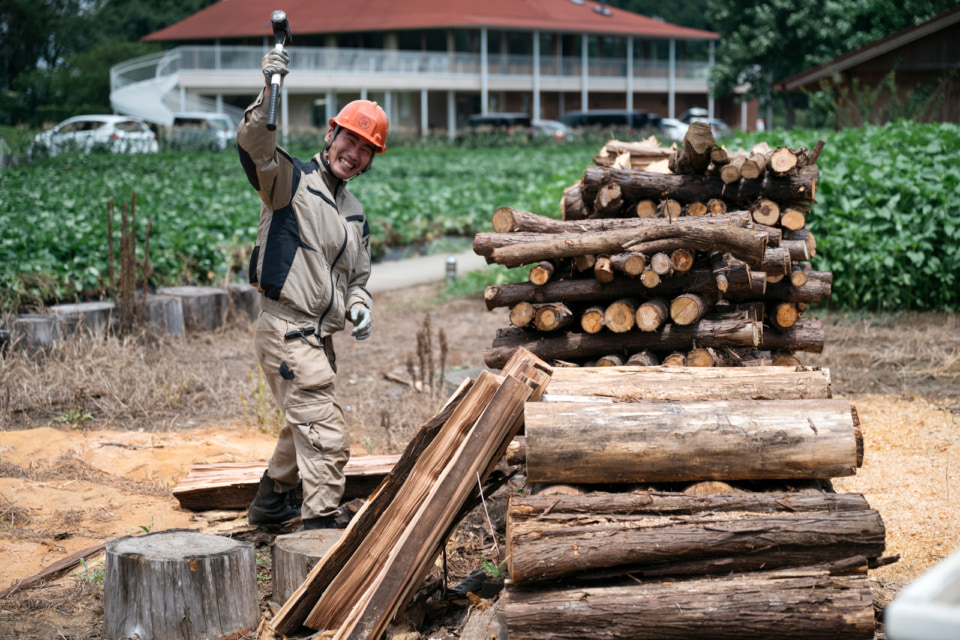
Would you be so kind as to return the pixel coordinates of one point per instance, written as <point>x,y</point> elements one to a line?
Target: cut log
<point>793,219</point>
<point>755,383</point>
<point>681,260</point>
<point>612,360</point>
<point>645,209</point>
<point>553,317</point>
<point>695,209</point>
<point>700,358</point>
<point>716,206</point>
<point>294,555</point>
<point>608,201</point>
<point>694,156</point>
<point>650,278</point>
<point>809,605</point>
<point>656,442</point>
<point>799,250</point>
<point>233,485</point>
<point>807,237</point>
<point>675,359</point>
<point>774,234</point>
<point>204,308</point>
<point>805,335</point>
<point>700,533</point>
<point>730,172</point>
<point>783,316</point>
<point>179,585</point>
<point>509,220</point>
<point>631,263</point>
<point>541,273</point>
<point>786,360</point>
<point>782,161</point>
<point>766,212</point>
<point>652,314</point>
<point>522,314</point>
<point>639,185</point>
<point>584,262</point>
<point>669,209</point>
<point>603,269</point>
<point>620,316</point>
<point>754,166</point>
<point>744,358</point>
<point>725,331</point>
<point>689,308</point>
<point>812,292</point>
<point>719,156</point>
<point>642,359</point>
<point>776,261</point>
<point>661,264</point>
<point>591,320</point>
<point>571,204</point>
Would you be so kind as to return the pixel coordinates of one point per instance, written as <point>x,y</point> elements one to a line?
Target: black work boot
<point>270,507</point>
<point>328,522</point>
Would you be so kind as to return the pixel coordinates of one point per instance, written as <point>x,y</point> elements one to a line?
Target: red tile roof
<point>251,18</point>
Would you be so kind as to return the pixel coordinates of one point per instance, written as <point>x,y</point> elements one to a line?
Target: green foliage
<point>90,575</point>
<point>74,416</point>
<point>692,13</point>
<point>887,218</point>
<point>493,571</point>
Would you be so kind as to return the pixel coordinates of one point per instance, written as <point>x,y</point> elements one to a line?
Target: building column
<point>183,98</point>
<point>630,73</point>
<point>363,94</point>
<point>584,72</point>
<point>710,104</point>
<point>743,116</point>
<point>536,75</point>
<point>388,105</point>
<point>219,103</point>
<point>672,81</point>
<point>484,70</point>
<point>331,104</point>
<point>424,120</point>
<point>452,114</point>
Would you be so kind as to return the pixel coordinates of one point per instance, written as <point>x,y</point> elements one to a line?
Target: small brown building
<point>914,73</point>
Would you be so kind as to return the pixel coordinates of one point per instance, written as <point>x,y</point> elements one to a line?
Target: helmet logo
<point>365,122</point>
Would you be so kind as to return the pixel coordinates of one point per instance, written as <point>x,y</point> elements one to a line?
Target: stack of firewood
<point>715,518</point>
<point>699,259</point>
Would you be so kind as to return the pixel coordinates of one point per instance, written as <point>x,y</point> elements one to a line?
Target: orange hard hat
<point>366,119</point>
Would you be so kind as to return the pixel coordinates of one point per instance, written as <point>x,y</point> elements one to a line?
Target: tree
<point>765,42</point>
<point>687,14</point>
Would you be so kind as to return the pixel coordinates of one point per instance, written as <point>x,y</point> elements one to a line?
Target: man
<point>311,262</point>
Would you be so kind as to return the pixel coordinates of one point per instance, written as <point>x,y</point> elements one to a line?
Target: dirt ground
<point>94,436</point>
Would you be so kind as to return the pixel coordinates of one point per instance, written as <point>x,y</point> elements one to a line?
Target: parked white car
<point>552,129</point>
<point>108,133</point>
<point>674,129</point>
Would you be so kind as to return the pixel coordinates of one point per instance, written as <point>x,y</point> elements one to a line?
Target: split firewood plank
<point>679,533</point>
<point>640,185</point>
<point>658,441</point>
<point>787,607</point>
<point>627,384</point>
<point>233,485</point>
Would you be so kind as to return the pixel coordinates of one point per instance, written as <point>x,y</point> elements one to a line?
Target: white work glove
<point>362,321</point>
<point>275,62</point>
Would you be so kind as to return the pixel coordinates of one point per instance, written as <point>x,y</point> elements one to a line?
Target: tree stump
<point>179,585</point>
<point>34,332</point>
<point>164,315</point>
<point>204,308</point>
<point>244,303</point>
<point>295,554</point>
<point>95,318</point>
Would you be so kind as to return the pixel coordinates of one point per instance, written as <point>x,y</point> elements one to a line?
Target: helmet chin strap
<point>326,154</point>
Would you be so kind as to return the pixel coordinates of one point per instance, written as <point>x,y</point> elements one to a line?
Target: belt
<point>288,313</point>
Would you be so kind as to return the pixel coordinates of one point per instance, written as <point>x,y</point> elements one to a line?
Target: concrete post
<point>630,73</point>
<point>584,71</point>
<point>672,81</point>
<point>424,120</point>
<point>536,75</point>
<point>484,70</point>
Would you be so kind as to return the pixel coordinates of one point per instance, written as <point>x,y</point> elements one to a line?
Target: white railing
<point>334,60</point>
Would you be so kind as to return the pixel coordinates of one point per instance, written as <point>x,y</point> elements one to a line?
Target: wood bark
<point>719,532</point>
<point>179,585</point>
<point>652,314</point>
<point>774,234</point>
<point>608,201</point>
<point>620,316</point>
<point>807,237</point>
<point>748,606</point>
<point>710,332</point>
<point>642,359</point>
<point>657,442</point>
<point>694,156</point>
<point>612,360</point>
<point>776,261</point>
<point>233,485</point>
<point>571,204</point>
<point>799,250</point>
<point>640,185</point>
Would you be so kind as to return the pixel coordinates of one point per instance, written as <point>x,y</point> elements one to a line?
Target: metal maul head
<point>281,26</point>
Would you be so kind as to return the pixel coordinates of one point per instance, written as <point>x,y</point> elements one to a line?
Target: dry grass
<point>69,468</point>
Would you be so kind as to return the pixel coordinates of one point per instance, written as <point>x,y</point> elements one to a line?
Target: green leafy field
<point>887,217</point>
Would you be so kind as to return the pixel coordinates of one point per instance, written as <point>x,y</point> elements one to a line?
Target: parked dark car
<point>612,119</point>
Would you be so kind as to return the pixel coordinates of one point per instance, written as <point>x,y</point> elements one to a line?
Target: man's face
<point>348,154</point>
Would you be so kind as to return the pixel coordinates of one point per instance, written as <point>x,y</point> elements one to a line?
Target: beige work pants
<point>313,446</point>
